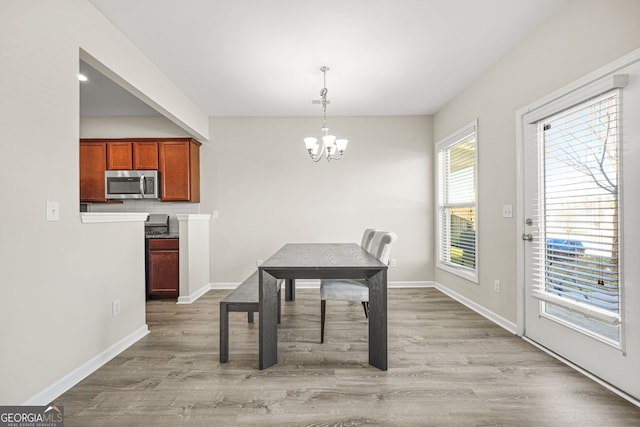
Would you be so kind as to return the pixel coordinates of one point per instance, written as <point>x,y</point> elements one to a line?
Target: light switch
<point>53,211</point>
<point>507,211</point>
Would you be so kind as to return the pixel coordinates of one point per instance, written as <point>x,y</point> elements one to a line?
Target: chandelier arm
<point>317,157</point>
<point>334,157</point>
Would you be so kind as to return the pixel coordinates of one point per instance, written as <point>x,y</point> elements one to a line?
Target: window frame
<point>445,144</point>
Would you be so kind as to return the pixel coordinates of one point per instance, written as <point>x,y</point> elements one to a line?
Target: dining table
<point>322,261</point>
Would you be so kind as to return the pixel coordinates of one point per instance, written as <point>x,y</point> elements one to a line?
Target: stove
<point>156,224</point>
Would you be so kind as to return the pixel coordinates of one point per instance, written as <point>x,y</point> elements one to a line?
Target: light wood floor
<point>447,367</point>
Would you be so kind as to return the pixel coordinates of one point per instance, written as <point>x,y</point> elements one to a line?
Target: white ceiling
<point>263,57</point>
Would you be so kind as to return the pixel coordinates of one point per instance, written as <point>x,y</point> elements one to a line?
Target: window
<point>457,203</point>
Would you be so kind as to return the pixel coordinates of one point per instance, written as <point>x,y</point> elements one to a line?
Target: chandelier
<point>330,146</point>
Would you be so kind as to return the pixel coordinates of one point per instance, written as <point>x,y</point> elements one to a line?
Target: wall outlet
<point>215,214</point>
<point>259,263</point>
<point>393,262</point>
<point>497,286</point>
<point>115,307</point>
<point>507,211</point>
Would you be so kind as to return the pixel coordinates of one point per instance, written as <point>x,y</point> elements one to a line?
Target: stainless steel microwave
<point>142,184</point>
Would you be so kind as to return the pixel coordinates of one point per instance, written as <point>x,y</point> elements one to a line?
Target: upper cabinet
<point>119,156</point>
<point>93,163</point>
<point>180,170</point>
<point>137,155</point>
<point>145,155</point>
<point>177,159</point>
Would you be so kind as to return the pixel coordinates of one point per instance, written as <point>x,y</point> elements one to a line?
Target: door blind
<point>577,248</point>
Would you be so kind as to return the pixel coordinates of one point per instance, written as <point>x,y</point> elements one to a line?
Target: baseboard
<point>56,389</point>
<point>490,315</point>
<point>194,296</point>
<point>413,284</point>
<point>315,284</point>
<point>495,318</point>
<point>224,285</point>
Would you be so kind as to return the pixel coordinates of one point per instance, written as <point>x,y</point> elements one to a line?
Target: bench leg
<point>224,333</point>
<point>290,290</point>
<point>323,309</point>
<point>250,316</point>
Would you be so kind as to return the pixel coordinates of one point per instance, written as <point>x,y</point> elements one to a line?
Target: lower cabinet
<point>163,268</point>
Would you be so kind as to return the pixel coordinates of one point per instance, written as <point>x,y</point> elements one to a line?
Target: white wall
<point>58,279</point>
<point>257,174</point>
<point>396,148</point>
<point>584,36</point>
<point>129,127</point>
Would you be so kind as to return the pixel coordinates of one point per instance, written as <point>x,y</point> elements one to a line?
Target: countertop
<point>170,235</point>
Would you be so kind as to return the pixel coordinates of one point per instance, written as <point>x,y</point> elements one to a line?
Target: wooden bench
<point>244,298</point>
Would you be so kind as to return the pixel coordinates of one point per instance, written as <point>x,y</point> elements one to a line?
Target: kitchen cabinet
<point>180,170</point>
<point>177,159</point>
<point>145,155</point>
<point>163,268</point>
<point>92,166</point>
<point>132,155</point>
<point>119,156</point>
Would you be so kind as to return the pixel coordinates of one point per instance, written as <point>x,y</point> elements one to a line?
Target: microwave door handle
<point>142,186</point>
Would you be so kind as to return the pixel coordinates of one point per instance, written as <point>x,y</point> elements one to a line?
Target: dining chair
<point>356,290</point>
<point>367,238</point>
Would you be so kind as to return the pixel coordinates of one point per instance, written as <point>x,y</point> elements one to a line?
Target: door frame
<point>618,64</point>
<point>520,125</point>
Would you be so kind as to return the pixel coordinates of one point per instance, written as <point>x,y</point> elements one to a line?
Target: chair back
<point>367,238</point>
<point>381,245</point>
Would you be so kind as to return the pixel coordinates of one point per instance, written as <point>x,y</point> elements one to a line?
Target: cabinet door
<point>145,155</point>
<point>92,167</point>
<point>164,274</point>
<point>119,156</point>
<point>175,171</point>
<point>194,172</point>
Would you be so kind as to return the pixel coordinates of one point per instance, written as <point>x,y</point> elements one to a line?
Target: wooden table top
<point>322,260</point>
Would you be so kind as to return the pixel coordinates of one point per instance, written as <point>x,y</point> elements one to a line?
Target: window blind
<point>457,213</point>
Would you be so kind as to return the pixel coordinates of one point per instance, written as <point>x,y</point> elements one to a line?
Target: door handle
<point>527,237</point>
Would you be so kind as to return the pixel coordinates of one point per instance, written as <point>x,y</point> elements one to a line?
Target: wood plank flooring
<point>448,366</point>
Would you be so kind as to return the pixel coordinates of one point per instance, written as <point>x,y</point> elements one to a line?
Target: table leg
<point>224,333</point>
<point>290,290</point>
<point>378,320</point>
<point>268,330</point>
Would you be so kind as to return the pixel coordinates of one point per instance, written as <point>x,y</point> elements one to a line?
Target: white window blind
<point>457,207</point>
<point>577,245</point>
